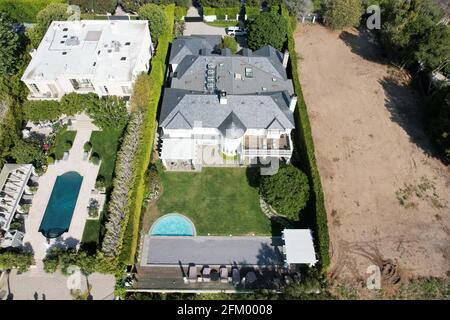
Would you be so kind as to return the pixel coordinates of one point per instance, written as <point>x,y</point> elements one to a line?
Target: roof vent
<point>223,97</point>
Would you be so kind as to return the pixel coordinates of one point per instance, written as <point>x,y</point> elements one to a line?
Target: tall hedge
<point>221,12</point>
<point>97,6</point>
<point>156,83</point>
<point>25,10</point>
<point>315,210</point>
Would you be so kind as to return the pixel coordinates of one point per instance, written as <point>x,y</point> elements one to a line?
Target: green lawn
<point>223,23</point>
<point>58,148</point>
<point>219,201</point>
<point>91,231</point>
<point>105,143</point>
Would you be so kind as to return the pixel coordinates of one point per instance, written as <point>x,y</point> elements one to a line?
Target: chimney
<point>223,97</point>
<point>285,58</point>
<point>293,103</point>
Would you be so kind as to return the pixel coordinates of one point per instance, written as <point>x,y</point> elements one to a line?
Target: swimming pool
<point>173,224</point>
<point>59,211</point>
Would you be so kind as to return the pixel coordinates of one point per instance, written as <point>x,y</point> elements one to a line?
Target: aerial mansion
<point>225,106</point>
<point>97,56</point>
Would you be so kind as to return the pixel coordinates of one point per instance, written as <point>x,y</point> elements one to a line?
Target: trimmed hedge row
<point>25,10</point>
<point>316,207</point>
<point>252,12</point>
<point>221,12</point>
<point>156,83</point>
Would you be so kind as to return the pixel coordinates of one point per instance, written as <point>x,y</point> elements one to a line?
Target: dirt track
<point>387,198</point>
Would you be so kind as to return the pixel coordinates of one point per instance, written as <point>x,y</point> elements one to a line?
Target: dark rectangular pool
<point>59,211</point>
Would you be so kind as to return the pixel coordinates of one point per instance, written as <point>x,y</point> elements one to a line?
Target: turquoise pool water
<point>59,211</point>
<point>173,224</point>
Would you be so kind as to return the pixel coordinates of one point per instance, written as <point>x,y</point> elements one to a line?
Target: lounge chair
<point>236,276</point>
<point>223,274</point>
<point>66,155</point>
<point>206,274</point>
<point>192,273</point>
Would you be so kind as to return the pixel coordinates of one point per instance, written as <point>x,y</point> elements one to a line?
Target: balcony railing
<point>262,146</point>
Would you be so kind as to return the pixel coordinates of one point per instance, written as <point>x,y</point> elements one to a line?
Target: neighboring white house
<point>100,56</point>
<point>228,106</point>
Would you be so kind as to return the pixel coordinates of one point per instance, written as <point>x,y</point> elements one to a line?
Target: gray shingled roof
<point>268,73</point>
<point>191,45</point>
<point>257,111</point>
<point>232,127</point>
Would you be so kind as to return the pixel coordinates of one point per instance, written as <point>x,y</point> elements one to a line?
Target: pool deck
<point>33,238</point>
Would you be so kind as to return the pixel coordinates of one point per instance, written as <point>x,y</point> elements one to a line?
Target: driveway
<point>202,28</point>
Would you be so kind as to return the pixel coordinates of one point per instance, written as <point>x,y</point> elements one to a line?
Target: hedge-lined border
<point>252,12</point>
<point>156,83</point>
<point>305,143</point>
<point>221,12</point>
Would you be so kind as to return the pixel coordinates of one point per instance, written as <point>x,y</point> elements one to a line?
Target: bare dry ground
<point>387,196</point>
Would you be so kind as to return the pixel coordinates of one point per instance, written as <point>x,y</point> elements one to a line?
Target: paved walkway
<point>33,238</point>
<point>38,285</point>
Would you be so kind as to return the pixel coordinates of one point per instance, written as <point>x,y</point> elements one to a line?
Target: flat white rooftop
<point>100,50</point>
<point>299,246</point>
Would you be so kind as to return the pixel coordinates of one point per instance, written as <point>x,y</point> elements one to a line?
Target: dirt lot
<point>387,196</point>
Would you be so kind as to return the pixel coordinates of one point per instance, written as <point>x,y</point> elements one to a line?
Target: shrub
<point>16,260</point>
<point>258,35</point>
<point>252,12</point>
<point>287,191</point>
<point>73,103</point>
<point>51,159</point>
<point>340,14</point>
<point>157,20</point>
<point>25,10</point>
<point>100,183</point>
<point>230,42</point>
<point>108,112</point>
<point>28,152</point>
<point>180,12</point>
<point>95,158</point>
<point>41,110</point>
<point>87,146</point>
<point>220,4</point>
<point>67,145</point>
<point>97,6</point>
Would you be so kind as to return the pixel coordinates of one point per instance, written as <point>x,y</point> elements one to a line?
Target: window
<point>123,58</point>
<point>98,52</point>
<point>82,84</point>
<point>248,72</point>
<point>65,36</point>
<point>126,90</point>
<point>64,53</point>
<point>65,29</point>
<point>127,43</point>
<point>62,41</point>
<point>34,88</point>
<point>105,89</point>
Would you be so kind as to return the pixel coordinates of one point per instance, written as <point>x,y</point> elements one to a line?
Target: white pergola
<point>298,247</point>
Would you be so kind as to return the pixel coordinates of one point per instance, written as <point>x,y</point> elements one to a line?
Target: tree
<point>36,110</point>
<point>413,35</point>
<point>287,191</point>
<point>141,93</point>
<point>341,14</point>
<point>28,152</point>
<point>229,42</point>
<point>10,46</point>
<point>268,28</point>
<point>53,12</point>
<point>157,20</point>
<point>297,8</point>
<point>73,103</point>
<point>438,112</point>
<point>109,113</point>
<point>16,260</point>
